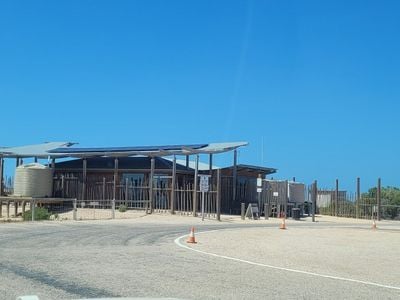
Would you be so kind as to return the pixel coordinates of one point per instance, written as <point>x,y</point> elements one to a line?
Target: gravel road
<point>138,258</point>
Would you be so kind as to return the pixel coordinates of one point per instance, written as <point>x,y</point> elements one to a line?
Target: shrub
<point>41,213</point>
<point>122,208</point>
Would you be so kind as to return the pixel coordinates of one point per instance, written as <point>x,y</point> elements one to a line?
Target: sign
<point>259,182</point>
<point>276,194</point>
<point>259,190</point>
<point>204,185</point>
<point>93,203</point>
<point>252,211</point>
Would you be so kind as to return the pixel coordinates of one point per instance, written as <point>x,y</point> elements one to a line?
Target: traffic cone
<point>191,239</point>
<point>283,224</point>
<point>373,224</point>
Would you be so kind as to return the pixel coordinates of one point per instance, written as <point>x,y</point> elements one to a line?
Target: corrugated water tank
<point>33,180</point>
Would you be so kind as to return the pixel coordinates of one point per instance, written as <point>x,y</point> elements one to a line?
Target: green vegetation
<point>122,208</point>
<point>40,214</point>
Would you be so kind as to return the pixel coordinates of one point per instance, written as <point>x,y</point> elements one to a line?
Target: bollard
<point>113,209</point>
<point>243,210</point>
<point>75,209</point>
<point>266,211</point>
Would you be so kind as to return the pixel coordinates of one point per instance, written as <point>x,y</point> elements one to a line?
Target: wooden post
<point>116,179</point>
<point>234,176</point>
<point>62,186</point>
<point>242,210</point>
<point>104,188</point>
<point>337,198</point>
<point>126,191</point>
<point>151,196</point>
<point>84,170</point>
<point>173,183</point>
<point>286,199</point>
<point>187,161</point>
<point>378,199</point>
<point>196,173</point>
<point>1,176</point>
<point>358,198</point>
<point>218,194</point>
<point>15,208</point>
<point>314,196</point>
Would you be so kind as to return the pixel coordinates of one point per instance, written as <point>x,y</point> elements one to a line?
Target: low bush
<point>41,213</point>
<point>122,208</point>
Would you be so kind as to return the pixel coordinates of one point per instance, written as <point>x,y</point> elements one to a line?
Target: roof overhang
<point>64,149</point>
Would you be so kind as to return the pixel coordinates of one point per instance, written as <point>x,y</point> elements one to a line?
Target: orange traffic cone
<point>373,224</point>
<point>283,224</point>
<point>191,238</point>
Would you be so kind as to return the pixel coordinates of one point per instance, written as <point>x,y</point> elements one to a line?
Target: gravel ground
<point>138,258</point>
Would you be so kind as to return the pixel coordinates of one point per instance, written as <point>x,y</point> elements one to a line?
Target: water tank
<point>33,180</point>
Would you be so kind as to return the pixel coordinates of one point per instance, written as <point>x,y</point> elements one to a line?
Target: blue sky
<point>318,81</point>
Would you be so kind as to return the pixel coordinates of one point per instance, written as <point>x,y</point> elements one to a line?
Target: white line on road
<point>178,242</point>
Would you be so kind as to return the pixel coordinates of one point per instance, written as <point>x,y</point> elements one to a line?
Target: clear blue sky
<point>319,81</point>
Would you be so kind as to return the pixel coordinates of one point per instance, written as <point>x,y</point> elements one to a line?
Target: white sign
<point>204,186</point>
<point>93,203</point>
<point>276,194</point>
<point>259,182</point>
<point>259,190</point>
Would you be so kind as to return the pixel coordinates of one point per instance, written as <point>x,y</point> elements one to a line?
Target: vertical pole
<point>15,208</point>
<point>84,170</point>
<point>114,187</point>
<point>196,173</point>
<point>314,196</point>
<point>62,186</point>
<point>116,181</point>
<point>23,208</point>
<point>53,164</point>
<point>187,161</point>
<point>202,206</point>
<point>8,209</point>
<point>294,179</point>
<point>151,196</point>
<point>337,198</point>
<point>173,183</point>
<point>358,198</point>
<point>17,162</point>
<point>234,176</point>
<point>286,199</point>
<point>35,159</point>
<point>33,209</point>
<point>210,163</point>
<point>242,210</point>
<point>219,195</point>
<point>75,209</point>
<point>1,175</point>
<point>378,199</point>
<point>104,188</point>
<point>1,209</point>
<point>126,191</point>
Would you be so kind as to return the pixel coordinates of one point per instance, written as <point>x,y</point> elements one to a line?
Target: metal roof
<point>38,150</point>
<point>63,149</point>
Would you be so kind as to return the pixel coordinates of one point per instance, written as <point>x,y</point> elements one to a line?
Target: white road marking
<point>177,242</point>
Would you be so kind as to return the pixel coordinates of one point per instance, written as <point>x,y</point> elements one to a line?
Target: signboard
<point>252,211</point>
<point>276,194</point>
<point>204,185</point>
<point>93,203</point>
<point>259,190</point>
<point>259,182</point>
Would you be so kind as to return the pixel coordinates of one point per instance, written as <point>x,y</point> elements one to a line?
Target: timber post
<point>219,195</point>
<point>173,183</point>
<point>196,173</point>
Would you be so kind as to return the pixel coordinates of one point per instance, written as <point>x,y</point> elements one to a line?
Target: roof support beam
<point>196,172</point>
<point>234,176</point>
